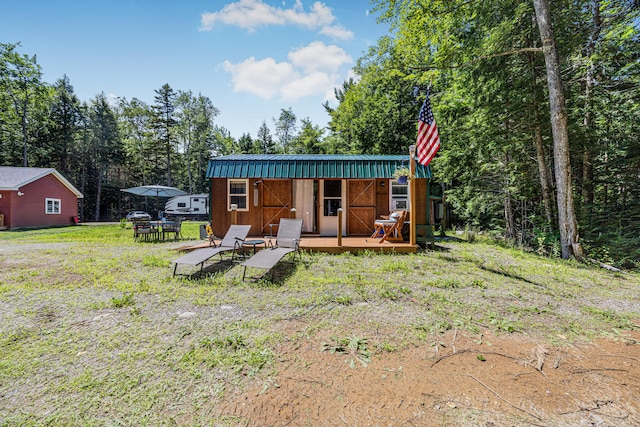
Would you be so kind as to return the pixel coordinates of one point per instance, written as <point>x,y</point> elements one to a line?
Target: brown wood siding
<point>421,200</point>
<point>274,202</point>
<point>382,197</point>
<point>366,204</point>
<point>361,206</point>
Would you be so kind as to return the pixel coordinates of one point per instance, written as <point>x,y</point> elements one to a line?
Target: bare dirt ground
<point>484,380</point>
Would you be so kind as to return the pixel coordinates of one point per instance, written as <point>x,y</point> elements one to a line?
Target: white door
<point>332,197</point>
<point>303,202</point>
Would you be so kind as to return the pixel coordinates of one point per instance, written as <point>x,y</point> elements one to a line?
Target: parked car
<point>138,215</point>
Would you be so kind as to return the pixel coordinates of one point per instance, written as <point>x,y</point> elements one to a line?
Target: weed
<point>614,319</point>
<point>343,299</point>
<point>477,283</point>
<point>124,301</point>
<point>502,324</point>
<point>355,348</point>
<point>449,283</point>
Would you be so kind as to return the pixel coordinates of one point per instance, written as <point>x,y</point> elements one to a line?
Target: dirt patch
<point>464,380</point>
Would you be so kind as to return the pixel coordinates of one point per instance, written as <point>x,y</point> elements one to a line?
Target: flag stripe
<point>428,140</point>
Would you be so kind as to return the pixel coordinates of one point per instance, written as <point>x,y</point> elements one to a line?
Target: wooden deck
<point>330,245</point>
<point>350,244</point>
<point>353,244</point>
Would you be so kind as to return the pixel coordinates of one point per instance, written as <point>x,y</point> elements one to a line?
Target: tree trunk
<point>510,224</point>
<point>587,156</point>
<point>25,160</point>
<point>98,193</point>
<point>567,222</point>
<point>545,179</point>
<point>541,155</point>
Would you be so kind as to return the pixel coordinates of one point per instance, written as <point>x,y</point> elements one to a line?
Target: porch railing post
<point>234,214</point>
<point>339,227</point>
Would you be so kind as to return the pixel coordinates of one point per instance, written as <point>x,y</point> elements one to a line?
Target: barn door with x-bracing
<point>361,212</point>
<point>276,196</point>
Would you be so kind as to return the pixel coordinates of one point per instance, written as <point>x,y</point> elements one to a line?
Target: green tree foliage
<point>106,152</point>
<point>22,94</point>
<point>285,129</point>
<point>197,136</point>
<point>491,103</point>
<point>65,122</point>
<point>246,144</point>
<point>164,125</point>
<point>378,114</point>
<point>309,140</point>
<point>264,144</point>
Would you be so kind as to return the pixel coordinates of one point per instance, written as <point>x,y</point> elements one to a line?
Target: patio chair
<point>143,229</point>
<point>232,241</point>
<point>287,241</point>
<point>390,230</point>
<point>174,227</point>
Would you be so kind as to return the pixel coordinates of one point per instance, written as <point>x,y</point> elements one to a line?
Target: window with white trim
<point>52,206</point>
<point>399,196</point>
<point>238,193</point>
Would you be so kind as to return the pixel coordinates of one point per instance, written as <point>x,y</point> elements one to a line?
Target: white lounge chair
<point>232,241</point>
<point>287,241</point>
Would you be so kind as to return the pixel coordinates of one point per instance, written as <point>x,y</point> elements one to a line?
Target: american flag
<point>428,141</point>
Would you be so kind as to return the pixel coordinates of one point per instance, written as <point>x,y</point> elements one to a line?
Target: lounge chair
<point>287,241</point>
<point>232,241</point>
<point>390,230</point>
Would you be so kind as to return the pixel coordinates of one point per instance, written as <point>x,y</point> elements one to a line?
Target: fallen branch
<point>467,350</point>
<point>605,266</point>
<point>441,358</point>
<point>305,380</point>
<point>505,400</point>
<point>584,371</point>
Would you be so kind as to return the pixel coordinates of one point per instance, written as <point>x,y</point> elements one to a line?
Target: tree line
<point>537,103</point>
<point>538,107</point>
<point>104,145</point>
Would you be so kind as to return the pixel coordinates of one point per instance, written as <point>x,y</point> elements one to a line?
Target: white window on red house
<point>52,206</point>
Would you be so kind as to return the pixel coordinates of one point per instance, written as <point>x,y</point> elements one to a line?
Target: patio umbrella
<point>155,190</point>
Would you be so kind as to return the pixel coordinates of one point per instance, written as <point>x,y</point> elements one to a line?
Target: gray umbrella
<point>155,190</point>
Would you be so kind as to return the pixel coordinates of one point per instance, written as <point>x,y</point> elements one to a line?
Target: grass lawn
<point>94,330</point>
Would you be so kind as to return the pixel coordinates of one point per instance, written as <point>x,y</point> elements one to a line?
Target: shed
<point>36,197</point>
<point>266,188</point>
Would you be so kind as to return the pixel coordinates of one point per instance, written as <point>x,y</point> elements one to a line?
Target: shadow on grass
<point>508,274</point>
<point>219,267</point>
<point>276,276</point>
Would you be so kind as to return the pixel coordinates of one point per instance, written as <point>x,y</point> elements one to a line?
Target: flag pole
<point>412,195</point>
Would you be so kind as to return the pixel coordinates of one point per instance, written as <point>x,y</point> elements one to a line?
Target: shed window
<point>238,192</point>
<point>52,206</point>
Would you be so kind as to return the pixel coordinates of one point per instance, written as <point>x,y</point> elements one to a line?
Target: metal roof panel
<point>308,166</point>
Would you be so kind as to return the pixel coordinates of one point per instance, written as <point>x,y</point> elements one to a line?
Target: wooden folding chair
<point>390,230</point>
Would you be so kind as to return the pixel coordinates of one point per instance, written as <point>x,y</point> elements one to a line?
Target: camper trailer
<point>191,206</point>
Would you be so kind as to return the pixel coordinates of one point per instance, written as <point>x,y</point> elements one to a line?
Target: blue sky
<point>252,58</point>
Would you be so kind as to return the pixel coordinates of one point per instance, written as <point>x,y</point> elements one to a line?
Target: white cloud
<point>318,56</point>
<point>337,32</point>
<point>312,84</point>
<point>263,78</point>
<point>312,71</point>
<point>253,14</point>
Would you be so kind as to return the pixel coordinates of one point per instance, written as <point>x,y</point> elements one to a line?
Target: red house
<point>36,197</point>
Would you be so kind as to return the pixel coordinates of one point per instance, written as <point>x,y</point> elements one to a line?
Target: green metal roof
<point>310,166</point>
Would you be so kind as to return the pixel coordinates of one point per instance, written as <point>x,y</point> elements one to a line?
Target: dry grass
<point>94,330</point>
